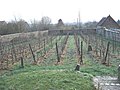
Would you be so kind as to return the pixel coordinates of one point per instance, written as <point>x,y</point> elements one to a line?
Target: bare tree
<point>3,27</point>
<point>22,26</point>
<point>45,23</point>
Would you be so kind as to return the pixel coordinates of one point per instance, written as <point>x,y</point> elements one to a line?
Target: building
<point>108,28</point>
<point>108,22</point>
<point>60,24</point>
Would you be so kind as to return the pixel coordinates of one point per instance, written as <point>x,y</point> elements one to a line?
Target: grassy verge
<point>46,80</point>
<point>97,69</point>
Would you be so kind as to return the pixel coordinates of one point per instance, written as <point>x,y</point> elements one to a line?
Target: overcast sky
<point>67,10</point>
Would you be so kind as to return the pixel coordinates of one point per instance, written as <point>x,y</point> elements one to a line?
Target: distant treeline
<point>20,26</point>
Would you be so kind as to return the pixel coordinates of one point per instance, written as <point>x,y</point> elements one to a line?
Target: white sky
<point>67,10</point>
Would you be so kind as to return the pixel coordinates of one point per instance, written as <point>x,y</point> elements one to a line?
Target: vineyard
<point>47,55</point>
<point>31,49</point>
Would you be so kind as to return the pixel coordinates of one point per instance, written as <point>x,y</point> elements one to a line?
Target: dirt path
<point>77,49</point>
<point>63,54</point>
<point>106,83</point>
<point>68,58</point>
<point>41,59</point>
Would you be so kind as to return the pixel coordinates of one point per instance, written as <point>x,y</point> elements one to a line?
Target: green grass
<point>46,80</point>
<point>97,69</point>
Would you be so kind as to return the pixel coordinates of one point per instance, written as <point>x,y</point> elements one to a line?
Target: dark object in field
<point>22,63</point>
<point>89,48</point>
<point>81,59</point>
<point>32,53</point>
<point>58,57</point>
<point>106,55</point>
<point>77,67</point>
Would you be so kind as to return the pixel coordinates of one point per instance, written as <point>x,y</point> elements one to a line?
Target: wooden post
<point>77,68</point>
<point>44,48</point>
<point>108,63</point>
<point>89,48</point>
<point>32,53</point>
<point>78,46</point>
<point>22,63</point>
<point>106,53</point>
<point>81,58</point>
<point>96,46</point>
<point>100,53</point>
<point>58,57</point>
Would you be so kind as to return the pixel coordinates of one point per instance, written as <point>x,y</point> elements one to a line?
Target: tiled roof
<point>101,21</point>
<point>108,22</point>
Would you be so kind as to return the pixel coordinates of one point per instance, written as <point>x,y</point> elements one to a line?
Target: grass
<point>46,80</point>
<point>97,69</point>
